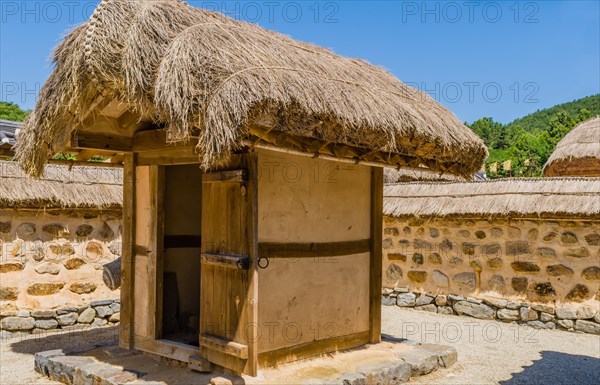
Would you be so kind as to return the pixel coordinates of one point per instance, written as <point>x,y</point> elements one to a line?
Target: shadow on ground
<point>92,343</point>
<point>67,340</point>
<point>558,368</point>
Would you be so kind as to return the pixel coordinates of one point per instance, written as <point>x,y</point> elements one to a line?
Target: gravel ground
<point>16,354</point>
<point>489,352</point>
<point>492,352</point>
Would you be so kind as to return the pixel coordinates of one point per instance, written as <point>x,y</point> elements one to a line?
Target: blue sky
<point>502,59</point>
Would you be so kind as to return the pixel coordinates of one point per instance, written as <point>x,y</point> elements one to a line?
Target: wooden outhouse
<point>253,177</point>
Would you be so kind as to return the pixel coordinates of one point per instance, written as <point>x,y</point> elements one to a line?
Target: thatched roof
<point>578,153</point>
<point>495,198</point>
<point>61,187</point>
<point>214,80</point>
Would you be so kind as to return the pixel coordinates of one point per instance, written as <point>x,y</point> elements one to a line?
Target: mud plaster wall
<point>533,260</point>
<point>54,259</point>
<point>304,200</point>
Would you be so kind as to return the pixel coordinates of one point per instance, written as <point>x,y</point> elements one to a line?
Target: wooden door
<point>228,275</point>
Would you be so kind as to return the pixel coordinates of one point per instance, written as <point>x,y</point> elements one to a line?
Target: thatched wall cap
<point>541,197</point>
<point>63,187</point>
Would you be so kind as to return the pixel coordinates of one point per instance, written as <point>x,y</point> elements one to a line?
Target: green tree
<point>11,111</point>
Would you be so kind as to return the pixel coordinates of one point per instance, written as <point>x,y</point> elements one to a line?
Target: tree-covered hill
<point>11,111</point>
<point>525,145</point>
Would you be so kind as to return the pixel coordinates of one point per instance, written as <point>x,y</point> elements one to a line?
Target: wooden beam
<point>156,140</point>
<point>85,155</point>
<point>182,241</point>
<point>253,255</point>
<point>376,254</point>
<point>228,347</point>
<point>126,326</point>
<point>313,250</point>
<point>102,142</point>
<point>169,156</point>
<point>225,176</point>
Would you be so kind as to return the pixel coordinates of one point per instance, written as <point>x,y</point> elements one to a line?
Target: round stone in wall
<point>593,239</point>
<point>56,230</point>
<point>544,290</point>
<point>393,272</point>
<point>105,233</point>
<point>591,273</point>
<point>417,276</point>
<point>496,283</point>
<point>465,280</point>
<point>8,293</point>
<point>47,268</point>
<point>5,227</point>
<point>84,231</point>
<point>46,288</point>
<point>74,263</point>
<point>82,287</point>
<point>579,293</point>
<point>434,259</point>
<point>519,284</point>
<point>568,238</point>
<point>558,270</point>
<point>26,229</point>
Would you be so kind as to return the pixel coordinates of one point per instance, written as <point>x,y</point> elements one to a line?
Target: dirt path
<point>490,352</point>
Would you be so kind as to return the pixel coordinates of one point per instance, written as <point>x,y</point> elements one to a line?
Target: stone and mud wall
<point>51,266</point>
<point>553,263</point>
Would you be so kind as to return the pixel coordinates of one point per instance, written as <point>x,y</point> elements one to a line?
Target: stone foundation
<point>97,313</point>
<point>581,318</point>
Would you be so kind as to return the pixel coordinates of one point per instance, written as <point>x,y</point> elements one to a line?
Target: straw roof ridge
<point>61,187</point>
<point>501,197</point>
<point>203,74</point>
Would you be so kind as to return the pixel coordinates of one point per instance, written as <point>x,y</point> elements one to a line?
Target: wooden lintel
<point>313,250</point>
<point>156,140</point>
<point>225,176</point>
<point>229,347</point>
<point>102,142</point>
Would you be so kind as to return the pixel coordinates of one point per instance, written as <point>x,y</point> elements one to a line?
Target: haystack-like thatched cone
<point>578,153</point>
<point>209,78</point>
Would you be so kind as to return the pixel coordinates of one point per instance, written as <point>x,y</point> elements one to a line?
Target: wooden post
<point>376,254</point>
<point>252,226</point>
<point>156,244</point>
<point>128,254</point>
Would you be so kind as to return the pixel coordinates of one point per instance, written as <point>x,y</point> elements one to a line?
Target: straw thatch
<point>61,187</point>
<point>578,153</point>
<point>404,175</point>
<point>204,75</point>
<point>497,198</point>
